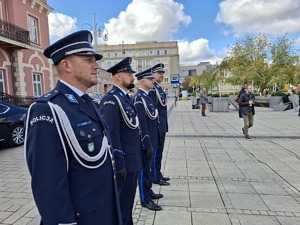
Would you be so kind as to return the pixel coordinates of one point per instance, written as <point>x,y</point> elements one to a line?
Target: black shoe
<point>161,182</point>
<point>156,196</point>
<point>247,136</point>
<point>152,206</point>
<point>165,178</point>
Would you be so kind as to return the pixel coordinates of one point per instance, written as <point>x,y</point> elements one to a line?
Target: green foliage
<point>215,95</point>
<point>277,93</point>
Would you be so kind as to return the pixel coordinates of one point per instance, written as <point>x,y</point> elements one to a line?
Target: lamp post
<point>98,31</point>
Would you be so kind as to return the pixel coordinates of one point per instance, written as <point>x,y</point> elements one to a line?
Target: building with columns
<point>144,55</point>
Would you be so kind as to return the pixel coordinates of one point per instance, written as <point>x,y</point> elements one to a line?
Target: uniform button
<point>94,129</point>
<point>89,136</point>
<point>77,214</point>
<point>114,177</point>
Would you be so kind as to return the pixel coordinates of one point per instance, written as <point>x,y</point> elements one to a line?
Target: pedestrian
<point>203,100</point>
<point>67,143</point>
<point>119,113</point>
<point>286,101</point>
<point>246,103</point>
<point>242,91</point>
<point>148,117</point>
<point>159,98</point>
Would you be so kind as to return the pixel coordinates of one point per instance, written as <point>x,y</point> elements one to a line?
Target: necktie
<point>88,101</point>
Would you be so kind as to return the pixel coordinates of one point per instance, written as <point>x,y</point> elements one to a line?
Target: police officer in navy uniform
<point>160,99</point>
<point>67,145</point>
<point>118,111</point>
<point>148,117</point>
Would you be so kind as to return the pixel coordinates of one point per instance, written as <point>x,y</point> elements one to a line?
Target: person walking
<point>246,102</point>
<point>203,100</point>
<point>119,113</point>
<point>242,91</point>
<point>67,143</point>
<point>159,98</point>
<point>148,117</point>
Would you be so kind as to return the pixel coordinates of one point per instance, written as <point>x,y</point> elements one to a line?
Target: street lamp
<point>98,31</point>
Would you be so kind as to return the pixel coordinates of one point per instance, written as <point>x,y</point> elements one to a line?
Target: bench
<point>262,101</point>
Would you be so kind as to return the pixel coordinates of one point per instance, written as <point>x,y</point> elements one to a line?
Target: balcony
<point>14,33</point>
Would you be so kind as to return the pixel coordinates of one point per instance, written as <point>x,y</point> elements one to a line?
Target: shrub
<point>277,93</point>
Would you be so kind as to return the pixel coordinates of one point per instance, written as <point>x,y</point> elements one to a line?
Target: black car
<point>11,124</point>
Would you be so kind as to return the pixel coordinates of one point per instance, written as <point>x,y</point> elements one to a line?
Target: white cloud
<point>198,51</point>
<point>61,25</point>
<point>274,17</point>
<point>145,20</point>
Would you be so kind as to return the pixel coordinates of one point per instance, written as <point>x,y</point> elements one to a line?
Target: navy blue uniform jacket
<point>162,110</point>
<point>65,191</point>
<point>149,127</point>
<point>124,139</point>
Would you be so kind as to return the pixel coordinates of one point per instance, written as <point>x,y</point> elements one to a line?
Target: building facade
<point>144,55</point>
<point>24,33</point>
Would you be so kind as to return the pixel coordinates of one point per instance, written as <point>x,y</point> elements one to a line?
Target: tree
<point>248,60</point>
<point>285,61</point>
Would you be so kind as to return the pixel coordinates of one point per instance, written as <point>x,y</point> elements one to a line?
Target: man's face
<point>84,70</point>
<point>159,76</point>
<point>148,83</point>
<point>127,80</point>
<point>249,89</point>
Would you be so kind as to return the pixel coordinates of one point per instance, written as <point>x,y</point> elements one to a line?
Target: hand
<point>149,153</point>
<point>121,175</point>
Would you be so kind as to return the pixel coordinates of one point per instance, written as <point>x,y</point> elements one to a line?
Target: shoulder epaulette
<point>47,97</point>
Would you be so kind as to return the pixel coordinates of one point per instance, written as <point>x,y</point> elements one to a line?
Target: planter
<point>274,100</point>
<point>220,104</point>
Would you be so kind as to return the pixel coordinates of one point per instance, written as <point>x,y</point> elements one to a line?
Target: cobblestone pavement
<point>217,176</point>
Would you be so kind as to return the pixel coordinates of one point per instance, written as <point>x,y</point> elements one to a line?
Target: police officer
<point>148,117</point>
<point>119,113</point>
<point>67,145</point>
<point>160,100</point>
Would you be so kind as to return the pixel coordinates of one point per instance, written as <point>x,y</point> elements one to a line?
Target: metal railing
<point>17,100</point>
<point>13,32</point>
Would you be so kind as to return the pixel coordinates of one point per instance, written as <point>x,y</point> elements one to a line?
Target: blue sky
<point>204,29</point>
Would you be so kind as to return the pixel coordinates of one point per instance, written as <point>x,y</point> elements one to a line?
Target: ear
<point>66,65</point>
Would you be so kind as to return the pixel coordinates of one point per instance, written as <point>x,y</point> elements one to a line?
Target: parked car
<point>11,124</point>
<point>95,96</point>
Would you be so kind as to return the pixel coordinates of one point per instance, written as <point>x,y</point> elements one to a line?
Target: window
<point>144,53</point>
<point>150,52</point>
<point>33,29</point>
<point>166,52</point>
<point>148,63</point>
<point>166,61</point>
<point>2,81</point>
<point>108,64</point>
<point>108,55</point>
<point>166,80</point>
<point>136,54</point>
<point>158,52</point>
<point>166,70</point>
<point>140,63</point>
<point>129,54</point>
<point>116,55</point>
<point>157,61</point>
<point>37,84</point>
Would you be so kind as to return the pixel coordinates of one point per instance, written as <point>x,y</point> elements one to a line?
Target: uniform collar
<point>144,91</point>
<point>76,90</point>
<point>124,92</point>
